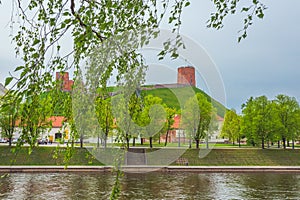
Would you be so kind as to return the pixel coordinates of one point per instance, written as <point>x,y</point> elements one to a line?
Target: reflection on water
<point>151,186</point>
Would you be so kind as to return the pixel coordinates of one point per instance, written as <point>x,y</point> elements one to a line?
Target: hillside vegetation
<point>169,98</point>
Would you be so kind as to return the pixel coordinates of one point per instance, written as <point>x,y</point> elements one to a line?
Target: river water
<point>154,185</point>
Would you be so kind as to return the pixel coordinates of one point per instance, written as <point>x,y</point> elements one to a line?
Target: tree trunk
<point>133,142</point>
<point>278,144</point>
<point>206,141</point>
<point>239,142</point>
<point>127,141</point>
<point>288,142</point>
<point>293,144</point>
<point>197,143</point>
<point>142,141</point>
<point>98,141</point>
<point>9,142</point>
<point>150,140</point>
<point>283,141</point>
<point>179,139</point>
<point>159,139</point>
<point>105,140</point>
<point>166,141</point>
<point>262,143</point>
<point>81,140</point>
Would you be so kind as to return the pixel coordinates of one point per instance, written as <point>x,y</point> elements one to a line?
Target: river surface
<point>155,185</point>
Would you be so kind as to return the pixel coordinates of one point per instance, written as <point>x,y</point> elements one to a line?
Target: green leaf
<point>260,15</point>
<point>36,41</point>
<point>8,80</point>
<point>245,9</point>
<point>19,68</point>
<point>187,4</point>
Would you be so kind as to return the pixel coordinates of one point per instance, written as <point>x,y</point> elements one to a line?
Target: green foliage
<point>259,120</point>
<point>270,121</point>
<point>171,101</point>
<point>104,116</point>
<point>152,117</point>
<point>170,112</point>
<point>9,114</point>
<point>42,25</point>
<point>254,9</point>
<point>231,126</point>
<point>34,118</point>
<point>198,118</point>
<point>288,113</point>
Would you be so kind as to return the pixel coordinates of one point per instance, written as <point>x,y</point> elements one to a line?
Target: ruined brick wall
<point>186,75</point>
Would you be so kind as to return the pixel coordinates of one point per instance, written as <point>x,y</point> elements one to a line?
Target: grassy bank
<point>245,157</point>
<point>45,156</point>
<point>216,157</point>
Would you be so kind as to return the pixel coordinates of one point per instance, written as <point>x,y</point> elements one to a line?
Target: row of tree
<point>265,121</point>
<point>143,116</point>
<point>147,117</point>
<point>30,116</point>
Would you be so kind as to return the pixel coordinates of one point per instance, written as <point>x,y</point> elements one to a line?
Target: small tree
<point>197,117</point>
<point>34,118</point>
<point>287,110</point>
<point>231,126</point>
<point>190,118</point>
<point>169,121</point>
<point>9,114</point>
<point>152,117</point>
<point>104,116</point>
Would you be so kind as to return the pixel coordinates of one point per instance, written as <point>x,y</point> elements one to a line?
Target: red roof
<point>57,121</point>
<point>177,119</point>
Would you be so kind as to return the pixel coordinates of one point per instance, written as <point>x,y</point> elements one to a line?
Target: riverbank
<point>52,156</point>
<point>145,169</point>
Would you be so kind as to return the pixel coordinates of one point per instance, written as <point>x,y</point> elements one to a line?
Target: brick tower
<point>186,76</point>
<point>66,83</point>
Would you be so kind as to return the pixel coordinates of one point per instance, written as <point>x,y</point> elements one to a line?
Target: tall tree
<point>152,117</point>
<point>190,118</point>
<point>260,120</point>
<point>127,110</point>
<point>104,116</point>
<point>231,126</point>
<point>9,114</point>
<point>169,121</point>
<point>34,118</point>
<point>198,117</point>
<point>287,109</point>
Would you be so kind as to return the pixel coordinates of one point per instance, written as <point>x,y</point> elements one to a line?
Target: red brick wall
<point>186,75</point>
<point>66,84</point>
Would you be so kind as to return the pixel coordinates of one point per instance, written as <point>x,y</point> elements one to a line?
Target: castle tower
<point>66,83</point>
<point>186,76</point>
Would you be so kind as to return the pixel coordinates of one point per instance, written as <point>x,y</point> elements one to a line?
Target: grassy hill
<point>168,96</point>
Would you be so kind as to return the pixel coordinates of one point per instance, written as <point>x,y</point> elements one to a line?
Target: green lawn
<point>45,156</point>
<point>245,157</point>
<point>216,157</point>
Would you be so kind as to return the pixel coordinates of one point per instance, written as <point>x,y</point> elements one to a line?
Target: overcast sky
<point>266,63</point>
